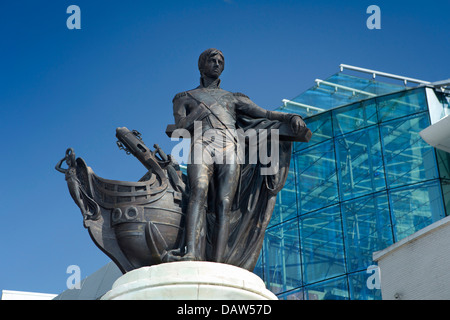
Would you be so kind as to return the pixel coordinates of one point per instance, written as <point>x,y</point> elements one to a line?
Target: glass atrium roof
<point>342,89</point>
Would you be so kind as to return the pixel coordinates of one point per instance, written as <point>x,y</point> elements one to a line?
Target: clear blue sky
<point>63,88</point>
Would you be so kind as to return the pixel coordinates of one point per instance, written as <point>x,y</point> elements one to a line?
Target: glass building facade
<point>364,181</point>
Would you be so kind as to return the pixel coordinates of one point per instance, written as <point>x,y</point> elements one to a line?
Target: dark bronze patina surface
<point>217,212</point>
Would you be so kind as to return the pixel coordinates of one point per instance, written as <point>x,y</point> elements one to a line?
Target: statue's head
<point>211,63</point>
<point>70,157</point>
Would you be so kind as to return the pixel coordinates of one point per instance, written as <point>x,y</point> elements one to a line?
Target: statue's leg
<point>199,176</point>
<point>227,182</point>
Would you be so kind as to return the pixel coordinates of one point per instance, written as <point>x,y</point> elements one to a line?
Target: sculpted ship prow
<point>134,223</point>
<point>142,223</point>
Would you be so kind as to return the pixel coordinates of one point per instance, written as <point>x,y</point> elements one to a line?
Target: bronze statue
<point>219,110</point>
<point>89,208</point>
<point>218,211</point>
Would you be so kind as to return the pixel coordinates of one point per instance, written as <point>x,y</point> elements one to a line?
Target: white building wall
<point>23,295</point>
<point>417,267</point>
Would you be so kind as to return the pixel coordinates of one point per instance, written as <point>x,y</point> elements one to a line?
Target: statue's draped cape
<point>254,200</point>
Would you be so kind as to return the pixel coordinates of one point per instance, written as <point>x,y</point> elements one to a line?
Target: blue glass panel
<point>282,257</point>
<point>322,130</point>
<point>401,104</point>
<point>322,244</point>
<point>259,268</point>
<point>444,99</point>
<point>286,201</point>
<point>290,108</point>
<point>443,159</point>
<point>336,289</point>
<point>316,97</point>
<point>327,96</point>
<point>359,290</point>
<point>360,163</point>
<point>355,116</point>
<point>445,186</point>
<point>408,158</point>
<point>370,86</point>
<point>316,177</point>
<point>367,226</point>
<point>297,294</point>
<point>415,207</point>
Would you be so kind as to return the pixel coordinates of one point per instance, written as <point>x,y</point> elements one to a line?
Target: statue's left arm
<point>248,107</point>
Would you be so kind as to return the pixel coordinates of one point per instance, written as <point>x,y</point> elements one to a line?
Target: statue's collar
<point>213,85</point>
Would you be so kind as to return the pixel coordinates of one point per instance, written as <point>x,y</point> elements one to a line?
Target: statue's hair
<point>205,55</point>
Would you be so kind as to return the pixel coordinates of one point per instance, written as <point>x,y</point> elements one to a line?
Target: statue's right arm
<point>186,111</point>
<point>59,164</point>
<point>179,112</point>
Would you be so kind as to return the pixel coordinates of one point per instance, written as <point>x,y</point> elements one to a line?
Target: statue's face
<point>213,66</point>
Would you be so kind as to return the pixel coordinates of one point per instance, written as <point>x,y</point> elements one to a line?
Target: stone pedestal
<point>189,281</point>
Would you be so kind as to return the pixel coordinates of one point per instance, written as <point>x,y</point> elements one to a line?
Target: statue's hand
<point>297,123</point>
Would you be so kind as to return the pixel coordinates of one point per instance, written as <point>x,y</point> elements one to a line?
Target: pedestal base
<point>191,280</point>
